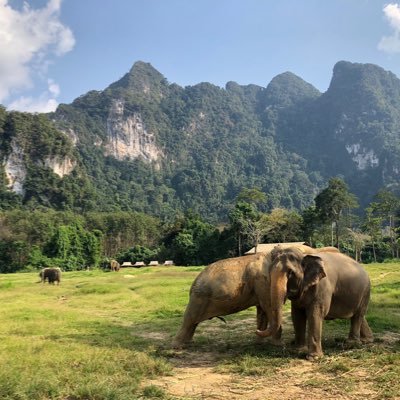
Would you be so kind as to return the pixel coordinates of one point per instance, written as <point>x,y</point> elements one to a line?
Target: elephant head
<point>292,274</point>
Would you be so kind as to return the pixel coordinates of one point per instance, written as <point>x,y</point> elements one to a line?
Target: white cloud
<point>30,104</point>
<point>391,44</point>
<point>54,89</point>
<point>29,38</point>
<point>46,102</point>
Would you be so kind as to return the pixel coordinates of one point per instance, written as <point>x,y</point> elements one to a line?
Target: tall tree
<point>372,225</point>
<point>387,205</point>
<point>246,219</point>
<point>332,202</point>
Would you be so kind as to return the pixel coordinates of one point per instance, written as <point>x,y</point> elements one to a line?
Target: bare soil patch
<point>196,377</point>
<point>197,373</point>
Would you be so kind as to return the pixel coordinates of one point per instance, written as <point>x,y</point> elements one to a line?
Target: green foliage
<point>287,139</point>
<point>74,247</point>
<point>193,242</point>
<point>332,202</point>
<point>107,336</point>
<point>137,253</point>
<point>283,226</point>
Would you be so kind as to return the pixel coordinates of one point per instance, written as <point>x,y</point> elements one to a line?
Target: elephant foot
<point>367,340</point>
<point>301,349</point>
<point>180,344</point>
<point>314,356</point>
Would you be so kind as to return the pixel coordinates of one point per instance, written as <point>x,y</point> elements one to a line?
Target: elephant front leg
<point>299,320</point>
<point>314,320</point>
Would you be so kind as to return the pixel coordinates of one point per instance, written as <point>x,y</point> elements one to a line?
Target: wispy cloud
<point>391,44</point>
<point>29,39</point>
<point>46,102</point>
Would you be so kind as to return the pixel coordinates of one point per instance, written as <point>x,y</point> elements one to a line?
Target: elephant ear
<point>314,271</point>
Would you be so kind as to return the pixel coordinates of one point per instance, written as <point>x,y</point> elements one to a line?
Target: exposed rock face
<point>127,136</point>
<point>60,166</point>
<point>362,157</point>
<point>15,169</point>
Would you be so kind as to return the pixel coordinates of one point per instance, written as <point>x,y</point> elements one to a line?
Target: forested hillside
<point>146,145</point>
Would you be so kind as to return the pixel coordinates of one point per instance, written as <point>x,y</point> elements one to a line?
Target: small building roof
<point>139,264</point>
<point>267,247</point>
<point>126,264</point>
<point>168,262</point>
<point>153,262</point>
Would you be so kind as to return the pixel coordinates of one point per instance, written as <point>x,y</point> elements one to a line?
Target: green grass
<point>101,335</point>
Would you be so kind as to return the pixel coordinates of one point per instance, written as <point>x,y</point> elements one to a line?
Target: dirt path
<point>198,378</point>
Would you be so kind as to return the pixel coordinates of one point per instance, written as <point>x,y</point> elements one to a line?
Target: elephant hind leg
<point>196,311</point>
<point>366,333</point>
<point>355,328</point>
<point>184,335</point>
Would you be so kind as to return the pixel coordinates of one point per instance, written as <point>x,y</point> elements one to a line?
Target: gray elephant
<point>52,275</point>
<point>115,265</point>
<point>320,286</point>
<point>229,286</point>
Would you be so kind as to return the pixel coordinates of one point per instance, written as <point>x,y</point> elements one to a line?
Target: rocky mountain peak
<point>287,88</point>
<point>142,78</point>
<point>363,79</point>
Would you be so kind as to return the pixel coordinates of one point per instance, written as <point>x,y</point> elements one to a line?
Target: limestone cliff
<point>127,137</point>
<point>16,171</point>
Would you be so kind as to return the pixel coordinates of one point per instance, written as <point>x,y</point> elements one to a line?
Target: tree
<point>246,220</point>
<point>192,242</point>
<point>255,230</point>
<point>331,204</point>
<point>239,217</point>
<point>359,241</point>
<point>372,226</point>
<point>387,206</point>
<point>253,196</point>
<point>309,226</point>
<point>283,226</point>
<point>74,247</point>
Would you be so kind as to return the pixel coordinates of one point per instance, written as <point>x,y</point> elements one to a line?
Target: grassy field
<point>102,335</point>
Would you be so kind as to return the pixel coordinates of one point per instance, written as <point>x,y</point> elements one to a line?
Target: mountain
<point>147,145</point>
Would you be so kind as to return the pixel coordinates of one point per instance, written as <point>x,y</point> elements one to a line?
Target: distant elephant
<point>114,265</point>
<point>52,275</point>
<point>324,285</point>
<point>229,286</point>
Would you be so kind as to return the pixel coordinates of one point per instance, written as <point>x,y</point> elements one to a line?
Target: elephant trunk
<point>278,294</point>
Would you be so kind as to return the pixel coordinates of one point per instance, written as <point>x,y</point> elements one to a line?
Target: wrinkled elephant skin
<point>324,285</point>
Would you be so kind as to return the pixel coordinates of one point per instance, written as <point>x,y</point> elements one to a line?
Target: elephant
<point>52,275</point>
<point>115,265</point>
<point>324,285</point>
<point>229,286</point>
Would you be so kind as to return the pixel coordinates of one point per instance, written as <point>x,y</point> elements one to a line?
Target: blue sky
<point>52,51</point>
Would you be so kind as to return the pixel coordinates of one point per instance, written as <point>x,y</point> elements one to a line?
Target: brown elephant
<point>229,286</point>
<point>115,265</point>
<point>52,275</point>
<point>325,285</point>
